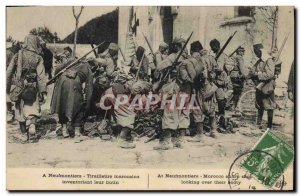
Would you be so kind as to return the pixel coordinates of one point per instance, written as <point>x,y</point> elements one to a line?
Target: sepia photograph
<point>150,98</point>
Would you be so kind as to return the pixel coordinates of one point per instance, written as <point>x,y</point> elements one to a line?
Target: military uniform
<point>175,121</point>
<point>27,66</point>
<point>123,114</point>
<point>204,91</point>
<point>237,76</point>
<point>223,83</point>
<point>134,66</point>
<point>265,97</point>
<point>70,100</point>
<point>109,63</point>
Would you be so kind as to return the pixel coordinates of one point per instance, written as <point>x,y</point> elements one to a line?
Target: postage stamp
<point>269,159</point>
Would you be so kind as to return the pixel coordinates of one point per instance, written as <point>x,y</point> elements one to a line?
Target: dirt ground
<point>52,152</point>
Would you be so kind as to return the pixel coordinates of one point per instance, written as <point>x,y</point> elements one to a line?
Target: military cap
<point>240,48</point>
<point>274,52</point>
<point>68,49</point>
<point>196,46</point>
<point>214,42</point>
<point>258,46</point>
<point>113,46</point>
<point>163,45</point>
<point>178,40</point>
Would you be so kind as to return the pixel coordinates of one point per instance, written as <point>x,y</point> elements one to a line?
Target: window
<point>243,11</point>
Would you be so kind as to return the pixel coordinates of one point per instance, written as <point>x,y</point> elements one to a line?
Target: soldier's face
<point>67,53</point>
<point>241,53</point>
<point>257,52</point>
<point>166,51</point>
<point>215,48</point>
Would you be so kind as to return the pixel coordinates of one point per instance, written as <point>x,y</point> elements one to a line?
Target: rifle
<point>236,50</point>
<point>159,83</point>
<point>147,41</point>
<point>281,48</point>
<point>180,53</point>
<point>140,64</point>
<point>224,46</point>
<point>122,54</point>
<point>95,53</point>
<point>262,84</point>
<point>72,64</point>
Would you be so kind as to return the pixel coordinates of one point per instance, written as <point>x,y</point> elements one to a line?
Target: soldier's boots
<point>164,141</point>
<point>178,138</point>
<point>123,141</point>
<point>10,117</point>
<point>213,133</point>
<point>260,114</point>
<point>78,136</point>
<point>32,134</point>
<point>24,134</point>
<point>212,127</point>
<point>65,131</point>
<point>198,136</point>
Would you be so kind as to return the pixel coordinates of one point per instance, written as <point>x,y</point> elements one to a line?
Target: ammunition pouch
<point>25,88</point>
<point>29,93</point>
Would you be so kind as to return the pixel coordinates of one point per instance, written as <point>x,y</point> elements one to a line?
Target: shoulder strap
<point>19,64</point>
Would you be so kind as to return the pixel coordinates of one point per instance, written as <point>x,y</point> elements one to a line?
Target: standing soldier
<point>161,53</point>
<point>136,62</point>
<point>222,81</point>
<point>174,121</point>
<point>204,90</point>
<point>70,101</point>
<point>30,90</point>
<point>237,76</point>
<point>264,76</point>
<point>159,56</point>
<point>48,60</point>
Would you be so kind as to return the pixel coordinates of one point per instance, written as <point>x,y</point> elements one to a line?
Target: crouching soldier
<point>30,90</point>
<point>116,99</point>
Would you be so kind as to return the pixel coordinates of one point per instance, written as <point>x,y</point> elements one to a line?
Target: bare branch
<point>73,9</point>
<point>81,8</point>
<point>78,15</point>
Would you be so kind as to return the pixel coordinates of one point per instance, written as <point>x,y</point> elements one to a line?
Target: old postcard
<point>150,98</point>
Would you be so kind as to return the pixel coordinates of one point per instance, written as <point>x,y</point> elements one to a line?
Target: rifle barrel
<point>225,45</point>
<point>281,48</point>
<point>147,41</point>
<point>122,54</point>
<point>236,49</point>
<point>72,64</point>
<point>140,64</point>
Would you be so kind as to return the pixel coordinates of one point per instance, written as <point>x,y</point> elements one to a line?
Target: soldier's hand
<point>90,59</point>
<point>43,97</point>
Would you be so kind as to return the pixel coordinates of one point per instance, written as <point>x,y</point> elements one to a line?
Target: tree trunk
<point>75,38</point>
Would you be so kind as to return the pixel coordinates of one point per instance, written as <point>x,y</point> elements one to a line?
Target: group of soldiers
<point>173,70</point>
